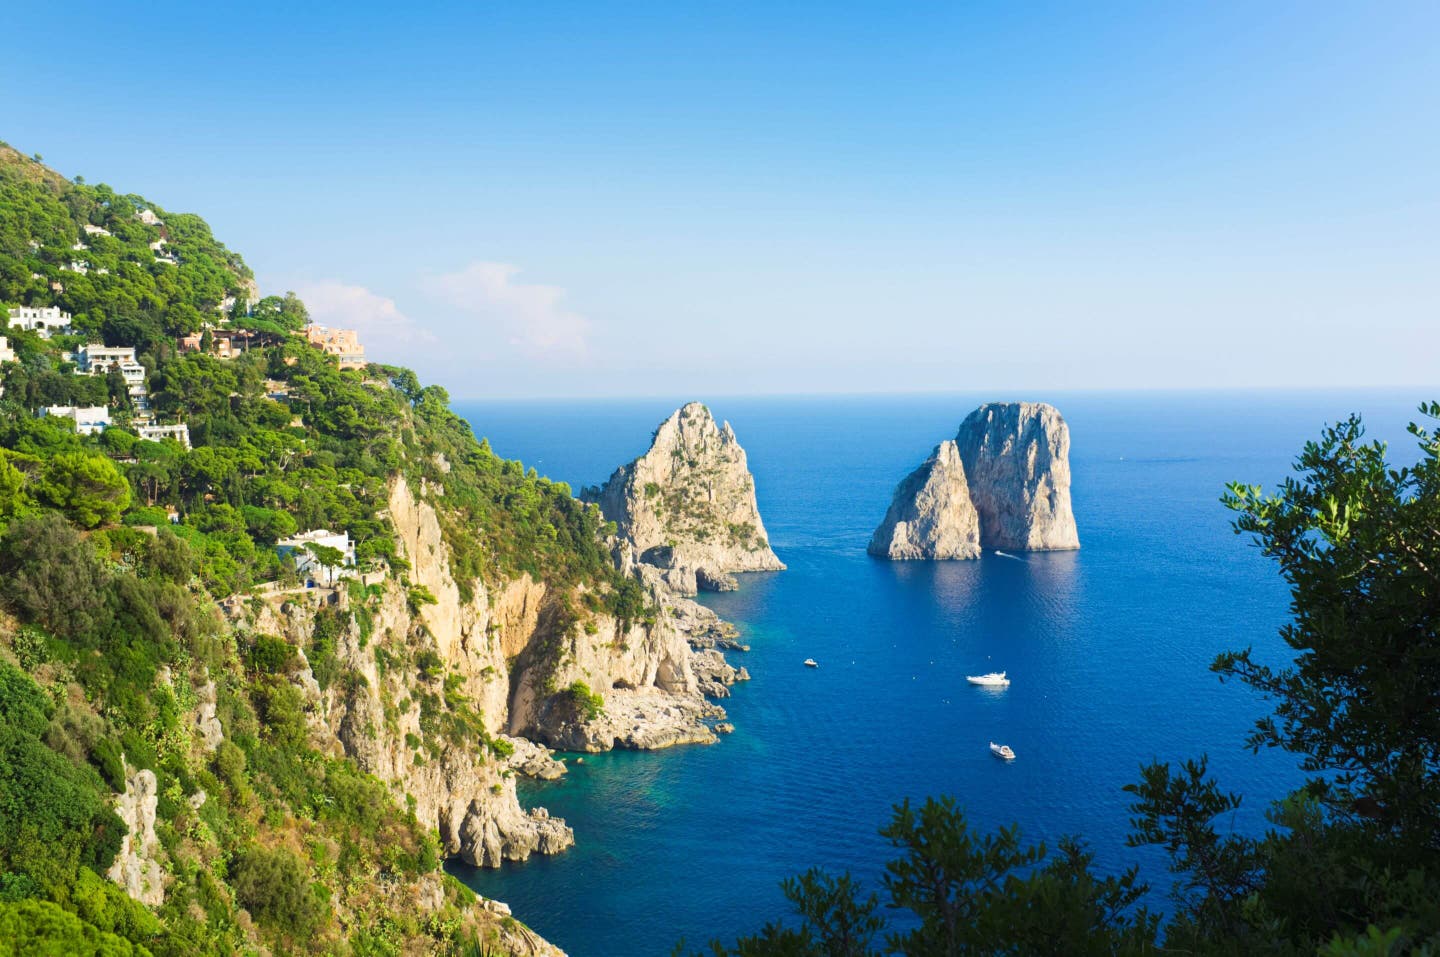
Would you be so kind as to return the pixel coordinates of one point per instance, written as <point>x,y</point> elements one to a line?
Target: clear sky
<point>635,198</point>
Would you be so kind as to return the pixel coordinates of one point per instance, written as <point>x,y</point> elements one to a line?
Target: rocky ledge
<point>1003,482</point>
<point>639,719</point>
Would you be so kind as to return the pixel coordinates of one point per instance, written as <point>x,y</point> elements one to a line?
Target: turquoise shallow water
<point>1108,647</point>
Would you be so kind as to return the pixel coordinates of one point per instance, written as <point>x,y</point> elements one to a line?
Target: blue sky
<point>684,198</point>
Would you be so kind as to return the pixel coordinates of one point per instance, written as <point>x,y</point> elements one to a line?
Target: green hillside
<point>115,551</point>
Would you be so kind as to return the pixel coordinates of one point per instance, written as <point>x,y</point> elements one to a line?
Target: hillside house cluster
<point>43,320</point>
<point>343,344</point>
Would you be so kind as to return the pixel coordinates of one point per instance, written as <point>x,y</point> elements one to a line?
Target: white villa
<point>42,319</point>
<point>97,359</point>
<point>305,562</point>
<point>95,230</point>
<point>7,354</point>
<point>88,419</point>
<point>158,433</point>
<point>148,217</point>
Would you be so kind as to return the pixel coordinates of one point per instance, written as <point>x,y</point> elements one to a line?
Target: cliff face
<point>931,515</point>
<point>1003,482</point>
<point>689,504</point>
<point>1017,459</point>
<point>507,658</point>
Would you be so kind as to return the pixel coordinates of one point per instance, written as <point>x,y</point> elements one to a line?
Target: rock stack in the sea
<point>1003,483</point>
<point>688,504</point>
<point>931,515</point>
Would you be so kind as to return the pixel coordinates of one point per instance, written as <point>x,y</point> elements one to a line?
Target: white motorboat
<point>1002,751</point>
<point>995,679</point>
<point>811,663</point>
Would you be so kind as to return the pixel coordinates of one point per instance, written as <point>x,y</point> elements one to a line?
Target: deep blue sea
<point>1108,649</point>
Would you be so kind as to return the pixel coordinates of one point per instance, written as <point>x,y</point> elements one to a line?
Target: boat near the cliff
<point>1002,751</point>
<point>811,663</point>
<point>995,679</point>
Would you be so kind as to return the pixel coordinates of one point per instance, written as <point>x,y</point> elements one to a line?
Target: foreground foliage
<point>1351,864</point>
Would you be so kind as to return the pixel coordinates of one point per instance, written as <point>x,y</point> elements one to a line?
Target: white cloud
<point>376,318</point>
<point>530,317</point>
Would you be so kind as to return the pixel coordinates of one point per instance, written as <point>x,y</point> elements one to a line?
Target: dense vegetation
<point>114,552</point>
<point>1352,862</point>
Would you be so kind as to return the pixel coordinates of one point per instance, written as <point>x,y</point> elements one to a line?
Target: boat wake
<point>1008,555</point>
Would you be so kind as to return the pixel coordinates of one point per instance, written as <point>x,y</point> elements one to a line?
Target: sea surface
<point>1108,649</point>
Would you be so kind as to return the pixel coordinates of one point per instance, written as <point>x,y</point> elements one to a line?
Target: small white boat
<point>995,679</point>
<point>1002,751</point>
<point>811,663</point>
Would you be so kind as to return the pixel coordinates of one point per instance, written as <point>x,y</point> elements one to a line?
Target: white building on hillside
<point>95,230</point>
<point>42,319</point>
<point>88,419</point>
<point>159,433</point>
<point>308,566</point>
<point>7,354</point>
<point>148,217</point>
<point>97,359</point>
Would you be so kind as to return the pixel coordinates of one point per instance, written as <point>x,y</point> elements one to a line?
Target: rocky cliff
<point>688,504</point>
<point>447,699</point>
<point>1003,482</point>
<point>931,515</point>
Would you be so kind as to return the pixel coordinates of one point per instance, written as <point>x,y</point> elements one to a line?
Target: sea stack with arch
<point>1003,483</point>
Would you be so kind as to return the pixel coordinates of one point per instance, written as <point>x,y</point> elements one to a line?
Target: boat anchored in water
<point>995,679</point>
<point>811,663</point>
<point>1002,751</point>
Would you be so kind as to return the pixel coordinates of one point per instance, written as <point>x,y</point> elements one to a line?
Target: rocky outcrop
<point>931,515</point>
<point>641,719</point>
<point>135,867</point>
<point>1017,460</point>
<point>689,503</point>
<point>508,655</point>
<point>1003,483</point>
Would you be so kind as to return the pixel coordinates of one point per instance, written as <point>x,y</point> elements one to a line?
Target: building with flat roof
<point>88,419</point>
<point>44,320</point>
<point>306,562</point>
<point>343,344</point>
<point>159,433</point>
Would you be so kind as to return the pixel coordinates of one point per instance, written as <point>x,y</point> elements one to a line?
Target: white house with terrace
<point>307,563</point>
<point>88,419</point>
<point>159,433</point>
<point>97,359</point>
<point>44,320</point>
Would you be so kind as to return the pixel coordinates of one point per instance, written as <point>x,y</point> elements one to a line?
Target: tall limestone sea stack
<point>931,515</point>
<point>1003,482</point>
<point>688,504</point>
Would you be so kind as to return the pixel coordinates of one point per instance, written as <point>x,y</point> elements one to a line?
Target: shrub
<point>586,702</point>
<point>274,887</point>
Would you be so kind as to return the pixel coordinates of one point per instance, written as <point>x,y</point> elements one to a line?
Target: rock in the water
<point>689,502</point>
<point>931,515</point>
<point>1003,482</point>
<point>1017,461</point>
